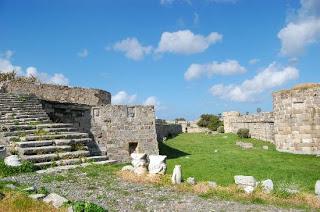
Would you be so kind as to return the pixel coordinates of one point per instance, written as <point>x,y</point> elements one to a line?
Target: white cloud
<point>254,61</point>
<point>56,78</point>
<point>303,31</point>
<point>228,67</point>
<point>83,53</point>
<point>152,100</point>
<point>248,91</point>
<point>7,66</point>
<point>164,2</point>
<point>132,48</point>
<point>8,54</point>
<point>123,97</point>
<point>185,42</point>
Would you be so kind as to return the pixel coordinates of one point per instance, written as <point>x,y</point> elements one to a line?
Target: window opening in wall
<point>130,112</point>
<point>133,147</point>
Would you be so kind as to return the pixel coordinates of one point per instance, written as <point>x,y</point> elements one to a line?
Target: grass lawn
<point>218,158</point>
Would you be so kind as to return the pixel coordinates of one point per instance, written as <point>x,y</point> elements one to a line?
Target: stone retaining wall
<point>62,94</point>
<point>297,119</point>
<point>261,126</point>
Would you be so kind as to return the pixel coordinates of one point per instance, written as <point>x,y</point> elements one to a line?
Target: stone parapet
<point>57,93</point>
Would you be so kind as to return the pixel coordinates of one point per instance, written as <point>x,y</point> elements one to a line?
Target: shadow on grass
<point>170,152</point>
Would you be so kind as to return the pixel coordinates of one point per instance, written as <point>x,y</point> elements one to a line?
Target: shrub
<point>209,121</point>
<point>12,76</point>
<point>243,133</point>
<point>220,129</point>
<point>81,206</point>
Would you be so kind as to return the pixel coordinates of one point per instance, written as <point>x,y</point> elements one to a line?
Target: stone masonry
<point>116,130</point>
<point>294,124</point>
<point>123,130</point>
<point>297,119</point>
<point>261,126</point>
<point>62,94</point>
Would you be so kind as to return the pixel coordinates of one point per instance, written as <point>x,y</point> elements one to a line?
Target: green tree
<point>210,121</point>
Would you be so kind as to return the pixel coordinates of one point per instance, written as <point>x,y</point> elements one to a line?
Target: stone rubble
<point>267,186</point>
<point>317,188</point>
<point>12,160</point>
<point>157,164</point>
<point>56,200</point>
<point>176,175</point>
<point>247,183</point>
<point>244,145</point>
<point>191,180</point>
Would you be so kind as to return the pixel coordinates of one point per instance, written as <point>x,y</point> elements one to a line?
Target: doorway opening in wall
<point>133,147</point>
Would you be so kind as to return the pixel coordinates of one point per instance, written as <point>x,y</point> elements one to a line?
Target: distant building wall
<point>62,94</point>
<point>261,126</point>
<point>297,119</point>
<point>167,130</point>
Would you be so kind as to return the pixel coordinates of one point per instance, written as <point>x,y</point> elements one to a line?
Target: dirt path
<point>117,195</point>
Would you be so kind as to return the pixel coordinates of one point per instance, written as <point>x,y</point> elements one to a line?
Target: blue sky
<point>187,57</point>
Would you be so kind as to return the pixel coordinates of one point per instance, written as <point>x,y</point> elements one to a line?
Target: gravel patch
<point>114,194</point>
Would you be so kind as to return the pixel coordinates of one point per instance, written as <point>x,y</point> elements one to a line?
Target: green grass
<point>6,171</point>
<point>217,158</point>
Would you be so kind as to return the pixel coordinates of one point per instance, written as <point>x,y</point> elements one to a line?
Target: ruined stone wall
<point>297,119</point>
<point>123,129</point>
<point>167,130</point>
<point>62,94</point>
<point>261,126</point>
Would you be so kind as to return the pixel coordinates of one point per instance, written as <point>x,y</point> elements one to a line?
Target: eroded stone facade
<point>116,130</point>
<point>125,129</point>
<point>294,124</point>
<point>297,119</point>
<point>56,93</point>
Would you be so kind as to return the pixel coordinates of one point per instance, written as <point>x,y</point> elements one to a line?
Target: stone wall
<point>297,119</point>
<point>123,129</point>
<point>261,126</point>
<point>167,130</point>
<point>62,94</point>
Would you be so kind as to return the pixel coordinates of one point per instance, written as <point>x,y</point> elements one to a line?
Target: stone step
<point>43,150</point>
<point>55,156</point>
<point>73,161</point>
<point>57,136</point>
<point>23,119</point>
<point>70,135</point>
<point>19,104</point>
<point>27,144</point>
<point>31,115</point>
<point>40,112</point>
<point>35,131</point>
<point>26,122</point>
<point>38,126</point>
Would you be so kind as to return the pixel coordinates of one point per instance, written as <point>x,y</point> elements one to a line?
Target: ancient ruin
<point>294,124</point>
<point>50,124</point>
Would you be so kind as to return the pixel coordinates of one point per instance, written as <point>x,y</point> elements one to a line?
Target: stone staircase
<point>30,133</point>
